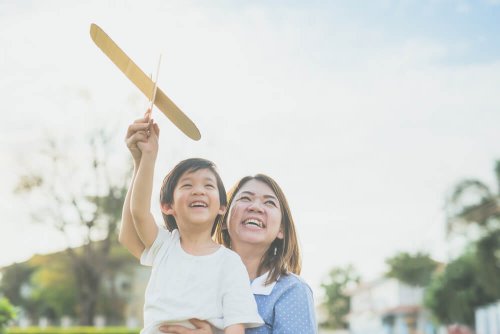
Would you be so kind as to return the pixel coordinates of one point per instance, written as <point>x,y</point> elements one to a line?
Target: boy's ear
<point>222,210</point>
<point>167,209</point>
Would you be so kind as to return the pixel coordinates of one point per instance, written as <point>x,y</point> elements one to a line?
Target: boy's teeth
<point>196,204</point>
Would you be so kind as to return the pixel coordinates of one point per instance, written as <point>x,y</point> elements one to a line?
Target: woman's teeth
<point>252,221</point>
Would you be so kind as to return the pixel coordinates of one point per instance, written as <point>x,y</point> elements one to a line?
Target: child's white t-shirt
<point>213,287</point>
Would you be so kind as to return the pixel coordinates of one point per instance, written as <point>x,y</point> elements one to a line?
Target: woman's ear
<point>280,234</point>
<point>167,209</point>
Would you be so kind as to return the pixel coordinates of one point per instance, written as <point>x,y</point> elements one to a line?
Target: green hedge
<point>72,330</point>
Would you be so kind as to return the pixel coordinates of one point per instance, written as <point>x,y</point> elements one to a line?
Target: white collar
<point>259,288</point>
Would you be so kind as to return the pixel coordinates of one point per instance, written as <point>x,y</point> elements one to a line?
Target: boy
<point>192,276</point>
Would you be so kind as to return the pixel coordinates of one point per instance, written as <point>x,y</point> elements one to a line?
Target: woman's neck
<point>251,255</point>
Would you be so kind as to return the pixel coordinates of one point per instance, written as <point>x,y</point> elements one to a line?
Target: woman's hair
<point>170,182</point>
<point>283,255</point>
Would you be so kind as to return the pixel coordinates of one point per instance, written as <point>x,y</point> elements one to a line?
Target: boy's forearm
<point>235,329</point>
<point>142,189</point>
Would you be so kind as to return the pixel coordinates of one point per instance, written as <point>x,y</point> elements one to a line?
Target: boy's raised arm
<point>128,236</point>
<point>140,199</point>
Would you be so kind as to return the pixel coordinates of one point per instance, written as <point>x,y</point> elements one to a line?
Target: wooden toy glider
<point>143,82</point>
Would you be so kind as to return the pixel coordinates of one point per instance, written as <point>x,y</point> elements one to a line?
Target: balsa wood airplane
<point>143,82</point>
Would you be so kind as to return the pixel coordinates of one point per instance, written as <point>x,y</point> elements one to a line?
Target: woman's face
<point>255,215</point>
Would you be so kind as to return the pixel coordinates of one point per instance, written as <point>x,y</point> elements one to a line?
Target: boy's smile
<point>196,199</point>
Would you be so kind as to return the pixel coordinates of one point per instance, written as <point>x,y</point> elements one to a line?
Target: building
<point>388,306</point>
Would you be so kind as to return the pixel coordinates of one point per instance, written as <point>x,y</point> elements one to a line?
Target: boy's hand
<point>202,327</point>
<point>138,132</point>
<point>150,145</point>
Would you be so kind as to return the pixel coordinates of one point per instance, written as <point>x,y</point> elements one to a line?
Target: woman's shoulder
<point>294,282</point>
<point>292,279</point>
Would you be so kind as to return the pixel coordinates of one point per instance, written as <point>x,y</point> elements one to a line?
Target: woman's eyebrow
<point>248,193</point>
<point>253,194</point>
<point>270,196</point>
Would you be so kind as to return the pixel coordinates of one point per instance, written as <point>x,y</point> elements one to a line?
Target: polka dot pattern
<point>289,309</point>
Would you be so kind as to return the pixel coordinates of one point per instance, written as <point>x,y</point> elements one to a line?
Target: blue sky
<point>367,113</point>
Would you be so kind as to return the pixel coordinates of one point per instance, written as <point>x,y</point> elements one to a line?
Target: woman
<point>259,227</point>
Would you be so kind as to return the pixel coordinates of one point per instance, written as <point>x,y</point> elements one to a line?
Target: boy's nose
<point>198,190</point>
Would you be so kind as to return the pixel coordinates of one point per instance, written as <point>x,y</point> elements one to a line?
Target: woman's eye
<point>245,198</point>
<point>271,203</point>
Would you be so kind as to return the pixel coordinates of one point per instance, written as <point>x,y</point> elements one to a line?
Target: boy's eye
<point>186,185</point>
<point>210,186</point>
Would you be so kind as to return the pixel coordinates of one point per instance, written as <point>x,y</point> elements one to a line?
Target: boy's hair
<point>283,255</point>
<point>170,182</point>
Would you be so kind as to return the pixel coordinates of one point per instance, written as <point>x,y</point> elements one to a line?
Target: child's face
<point>196,199</point>
<point>255,215</point>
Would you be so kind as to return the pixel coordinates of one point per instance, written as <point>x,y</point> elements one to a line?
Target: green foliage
<point>471,280</point>
<point>53,289</point>
<point>13,278</point>
<point>7,313</point>
<point>411,269</point>
<point>488,263</point>
<point>454,294</point>
<point>45,285</point>
<point>72,330</point>
<point>337,302</point>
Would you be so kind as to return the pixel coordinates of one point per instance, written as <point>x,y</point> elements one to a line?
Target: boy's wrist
<point>149,154</point>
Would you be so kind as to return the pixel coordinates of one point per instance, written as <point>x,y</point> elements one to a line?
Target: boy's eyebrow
<point>253,194</point>
<point>188,178</point>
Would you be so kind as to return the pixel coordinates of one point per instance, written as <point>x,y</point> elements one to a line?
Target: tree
<point>337,302</point>
<point>53,291</point>
<point>471,280</point>
<point>411,269</point>
<point>14,278</point>
<point>7,313</point>
<point>39,286</point>
<point>454,294</point>
<point>80,195</point>
<point>474,204</point>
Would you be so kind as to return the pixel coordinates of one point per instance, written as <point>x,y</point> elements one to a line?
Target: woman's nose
<point>256,206</point>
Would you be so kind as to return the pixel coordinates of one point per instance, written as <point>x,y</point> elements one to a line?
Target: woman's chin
<point>251,238</point>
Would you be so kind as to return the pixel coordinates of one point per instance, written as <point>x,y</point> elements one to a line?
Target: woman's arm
<point>128,235</point>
